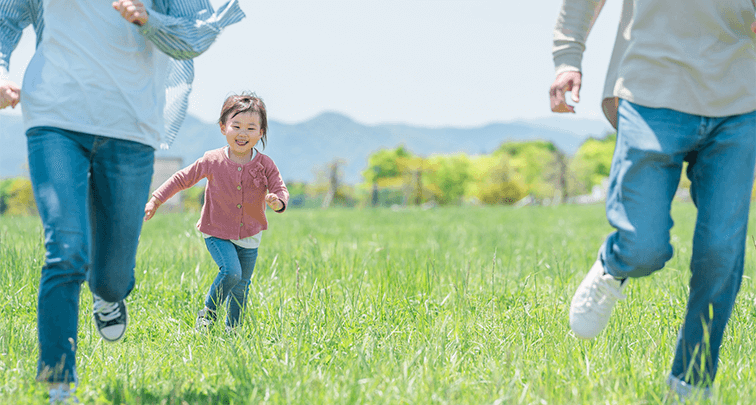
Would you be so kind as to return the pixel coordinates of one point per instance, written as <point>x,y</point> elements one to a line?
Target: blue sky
<point>421,62</point>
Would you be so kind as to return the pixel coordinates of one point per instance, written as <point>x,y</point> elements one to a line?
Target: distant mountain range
<point>300,149</point>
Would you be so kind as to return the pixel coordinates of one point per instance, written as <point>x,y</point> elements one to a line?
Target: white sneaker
<point>62,395</point>
<point>593,302</point>
<point>685,391</point>
<point>110,317</point>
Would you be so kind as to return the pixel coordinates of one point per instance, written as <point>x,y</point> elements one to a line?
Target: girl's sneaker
<point>205,319</point>
<point>111,318</point>
<point>60,395</point>
<point>683,392</point>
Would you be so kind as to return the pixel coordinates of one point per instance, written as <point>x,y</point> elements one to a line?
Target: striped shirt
<point>180,29</point>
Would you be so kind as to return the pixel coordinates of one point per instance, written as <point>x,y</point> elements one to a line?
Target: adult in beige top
<point>681,87</point>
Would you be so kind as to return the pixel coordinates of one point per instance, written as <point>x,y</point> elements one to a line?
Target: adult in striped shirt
<point>107,85</point>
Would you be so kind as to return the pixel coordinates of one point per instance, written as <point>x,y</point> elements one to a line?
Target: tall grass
<point>445,306</point>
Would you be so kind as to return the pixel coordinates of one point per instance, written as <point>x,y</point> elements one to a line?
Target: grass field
<point>445,306</point>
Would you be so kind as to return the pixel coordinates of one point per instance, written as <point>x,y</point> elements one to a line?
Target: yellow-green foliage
<point>536,164</point>
<point>513,171</point>
<point>439,178</point>
<point>591,163</point>
<point>494,181</point>
<point>684,181</point>
<point>194,197</point>
<point>384,166</point>
<point>17,197</point>
<point>503,177</point>
<point>445,177</point>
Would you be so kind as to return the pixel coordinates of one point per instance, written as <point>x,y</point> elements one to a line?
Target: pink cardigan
<point>234,196</point>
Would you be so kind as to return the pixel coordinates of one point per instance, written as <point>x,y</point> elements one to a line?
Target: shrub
<point>17,197</point>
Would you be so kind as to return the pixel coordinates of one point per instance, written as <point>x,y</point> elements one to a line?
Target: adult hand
<point>132,11</point>
<point>10,94</point>
<point>273,202</point>
<point>753,27</point>
<point>566,81</point>
<point>150,208</point>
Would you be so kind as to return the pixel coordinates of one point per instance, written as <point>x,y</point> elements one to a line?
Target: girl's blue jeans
<point>652,144</point>
<point>235,266</point>
<point>90,193</point>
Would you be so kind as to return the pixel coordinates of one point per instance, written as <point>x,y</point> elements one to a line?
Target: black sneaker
<point>205,319</point>
<point>111,318</point>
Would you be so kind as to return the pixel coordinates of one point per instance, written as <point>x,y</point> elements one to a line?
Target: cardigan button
<point>238,187</point>
<point>238,205</point>
<point>242,224</point>
<point>239,168</point>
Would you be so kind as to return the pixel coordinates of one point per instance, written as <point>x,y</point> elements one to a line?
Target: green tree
<point>493,181</point>
<point>591,163</point>
<point>396,169</point>
<point>447,177</point>
<point>385,167</point>
<point>194,198</point>
<point>536,163</point>
<point>4,186</point>
<point>18,197</point>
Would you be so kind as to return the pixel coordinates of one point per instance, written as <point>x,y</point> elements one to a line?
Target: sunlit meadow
<point>442,306</point>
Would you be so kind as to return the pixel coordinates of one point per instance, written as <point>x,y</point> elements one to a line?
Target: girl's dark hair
<point>246,103</point>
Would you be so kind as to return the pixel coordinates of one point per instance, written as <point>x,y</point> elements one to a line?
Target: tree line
<point>536,170</point>
<point>514,171</point>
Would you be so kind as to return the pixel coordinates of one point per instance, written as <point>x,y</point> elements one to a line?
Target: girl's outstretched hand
<point>150,208</point>
<point>273,202</point>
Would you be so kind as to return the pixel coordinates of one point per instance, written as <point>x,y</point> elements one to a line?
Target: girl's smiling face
<point>242,132</point>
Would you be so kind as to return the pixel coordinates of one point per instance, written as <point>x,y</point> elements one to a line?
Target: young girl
<point>233,215</point>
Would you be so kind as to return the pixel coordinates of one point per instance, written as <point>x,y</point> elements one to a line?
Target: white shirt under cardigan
<point>252,242</point>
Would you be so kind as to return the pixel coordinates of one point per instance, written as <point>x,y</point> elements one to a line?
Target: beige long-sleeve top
<point>692,56</point>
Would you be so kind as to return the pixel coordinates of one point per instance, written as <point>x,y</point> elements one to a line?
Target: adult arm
<point>183,29</point>
<point>15,15</point>
<point>575,21</point>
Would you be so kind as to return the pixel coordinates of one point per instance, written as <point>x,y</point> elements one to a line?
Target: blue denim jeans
<point>90,193</point>
<point>651,146</point>
<point>235,266</point>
